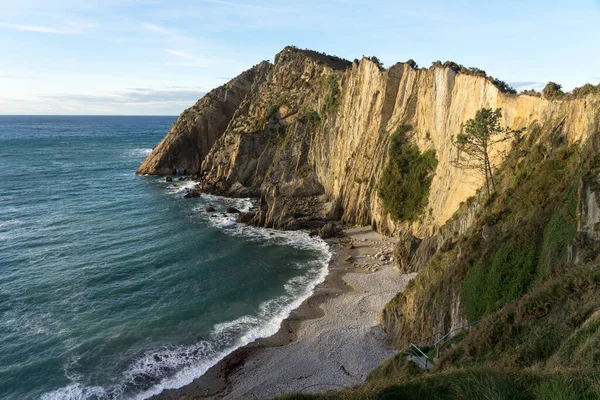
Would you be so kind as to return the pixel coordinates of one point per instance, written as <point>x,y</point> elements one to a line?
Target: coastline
<point>332,340</point>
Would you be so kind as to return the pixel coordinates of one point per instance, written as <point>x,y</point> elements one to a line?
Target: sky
<point>152,57</point>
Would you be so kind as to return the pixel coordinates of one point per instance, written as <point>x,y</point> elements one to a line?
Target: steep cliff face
<point>310,134</point>
<point>319,128</point>
<point>195,131</point>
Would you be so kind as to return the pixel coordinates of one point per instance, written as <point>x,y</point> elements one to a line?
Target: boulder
<point>209,209</point>
<point>192,193</point>
<point>232,210</point>
<point>245,218</point>
<point>168,179</point>
<point>330,230</point>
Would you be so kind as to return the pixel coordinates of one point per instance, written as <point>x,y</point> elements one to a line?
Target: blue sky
<point>157,57</point>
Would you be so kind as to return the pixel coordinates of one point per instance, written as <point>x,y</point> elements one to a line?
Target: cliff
<point>310,136</point>
<point>196,130</point>
<point>316,127</point>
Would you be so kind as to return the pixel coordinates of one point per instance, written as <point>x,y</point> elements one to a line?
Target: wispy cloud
<point>243,5</point>
<point>68,27</point>
<point>156,28</point>
<point>180,53</point>
<point>188,59</point>
<point>135,96</point>
<point>521,85</point>
<point>18,77</point>
<point>170,100</point>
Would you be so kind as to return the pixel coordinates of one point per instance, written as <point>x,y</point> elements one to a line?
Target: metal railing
<point>437,343</point>
<point>431,341</point>
<point>417,352</point>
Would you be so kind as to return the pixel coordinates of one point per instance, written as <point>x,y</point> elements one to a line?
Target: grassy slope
<point>540,334</point>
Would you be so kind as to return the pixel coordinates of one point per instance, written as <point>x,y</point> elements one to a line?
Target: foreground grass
<point>471,384</point>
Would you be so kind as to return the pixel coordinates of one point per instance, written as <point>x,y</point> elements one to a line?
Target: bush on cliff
<point>332,87</point>
<point>404,184</point>
<point>552,91</point>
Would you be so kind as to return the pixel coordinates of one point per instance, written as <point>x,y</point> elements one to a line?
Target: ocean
<point>112,285</point>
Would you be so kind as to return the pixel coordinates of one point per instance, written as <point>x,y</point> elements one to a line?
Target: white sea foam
<point>178,187</point>
<point>138,152</point>
<point>76,391</point>
<point>176,366</point>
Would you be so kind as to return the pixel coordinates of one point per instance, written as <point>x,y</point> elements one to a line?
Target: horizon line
<point>88,115</point>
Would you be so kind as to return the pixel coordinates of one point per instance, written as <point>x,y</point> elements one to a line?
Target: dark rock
<point>487,232</point>
<point>181,178</point>
<point>292,225</point>
<point>168,179</point>
<point>330,230</point>
<point>231,210</point>
<point>245,218</point>
<point>192,193</point>
<point>413,253</point>
<point>209,209</point>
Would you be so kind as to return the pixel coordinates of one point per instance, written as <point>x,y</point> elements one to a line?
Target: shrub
<point>376,61</point>
<point>333,92</point>
<point>552,91</point>
<point>531,92</point>
<point>497,281</point>
<point>502,86</point>
<point>404,184</point>
<point>412,64</point>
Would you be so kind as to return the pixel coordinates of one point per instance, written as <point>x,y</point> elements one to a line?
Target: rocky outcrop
<point>588,211</point>
<point>195,131</point>
<point>309,136</point>
<point>311,139</point>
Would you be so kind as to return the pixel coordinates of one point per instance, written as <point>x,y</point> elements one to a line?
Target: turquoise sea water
<point>112,285</point>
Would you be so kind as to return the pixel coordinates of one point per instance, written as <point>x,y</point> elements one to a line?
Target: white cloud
<point>523,85</point>
<point>68,27</point>
<point>243,5</point>
<point>168,100</point>
<point>180,53</point>
<point>188,59</point>
<point>18,77</point>
<point>156,28</point>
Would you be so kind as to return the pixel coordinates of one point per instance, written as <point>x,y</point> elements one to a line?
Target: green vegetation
<point>333,61</point>
<point>309,117</point>
<point>554,326</point>
<point>405,182</point>
<point>332,87</point>
<point>475,145</point>
<point>377,61</point>
<point>469,384</point>
<point>412,63</point>
<point>552,91</point>
<point>533,221</point>
<point>461,69</point>
<point>497,279</point>
<point>531,92</point>
<point>525,270</point>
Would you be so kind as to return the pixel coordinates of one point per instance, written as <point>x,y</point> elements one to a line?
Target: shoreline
<point>331,310</point>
